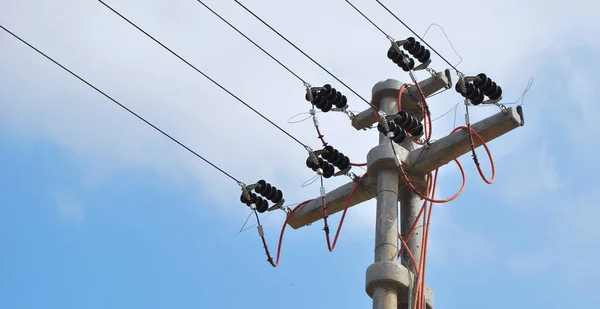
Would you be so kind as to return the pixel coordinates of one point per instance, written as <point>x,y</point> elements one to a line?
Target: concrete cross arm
<point>424,160</point>
<point>336,201</point>
<point>410,98</point>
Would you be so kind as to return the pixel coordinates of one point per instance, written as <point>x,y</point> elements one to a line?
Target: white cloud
<point>41,101</point>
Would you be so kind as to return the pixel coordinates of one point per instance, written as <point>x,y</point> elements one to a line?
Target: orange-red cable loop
<point>330,245</point>
<point>269,258</point>
<point>474,133</point>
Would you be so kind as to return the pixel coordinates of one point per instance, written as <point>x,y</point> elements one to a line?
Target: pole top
<point>388,87</point>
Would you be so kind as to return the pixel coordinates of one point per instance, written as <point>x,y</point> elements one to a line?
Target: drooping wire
<point>121,105</point>
<point>448,39</point>
<point>522,97</point>
<point>251,41</point>
<point>446,113</point>
<point>204,74</point>
<point>417,35</point>
<point>301,51</point>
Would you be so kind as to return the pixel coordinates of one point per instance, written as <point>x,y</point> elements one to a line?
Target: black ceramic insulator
<point>278,197</point>
<point>403,119</point>
<point>332,94</point>
<point>261,187</point>
<point>342,102</point>
<point>327,152</point>
<point>339,160</point>
<point>328,170</point>
<point>496,95</point>
<point>409,66</point>
<point>481,80</point>
<point>413,123</point>
<point>310,164</point>
<point>345,164</point>
<point>410,43</point>
<point>399,136</point>
<point>326,90</point>
<point>416,48</point>
<point>478,99</point>
<point>272,194</point>
<point>327,107</point>
<point>489,89</point>
<point>317,99</point>
<point>243,199</point>
<point>261,205</point>
<point>426,56</point>
<point>416,131</point>
<point>392,53</point>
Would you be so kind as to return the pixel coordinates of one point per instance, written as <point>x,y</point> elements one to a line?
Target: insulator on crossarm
<point>417,50</point>
<point>488,86</point>
<point>398,58</point>
<point>473,93</point>
<point>399,135</point>
<point>335,157</point>
<point>327,97</point>
<point>402,119</point>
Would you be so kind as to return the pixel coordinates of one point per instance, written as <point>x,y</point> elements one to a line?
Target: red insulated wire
<point>413,226</point>
<point>331,245</point>
<point>472,133</point>
<point>358,164</point>
<point>425,243</point>
<point>462,187</point>
<point>320,136</point>
<point>269,258</point>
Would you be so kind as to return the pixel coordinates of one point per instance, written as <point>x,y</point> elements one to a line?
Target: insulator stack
<point>335,157</point>
<point>326,167</point>
<point>417,50</point>
<point>261,204</point>
<point>326,98</point>
<point>487,86</point>
<point>397,56</point>
<point>409,123</point>
<point>268,191</point>
<point>473,93</point>
<point>403,123</point>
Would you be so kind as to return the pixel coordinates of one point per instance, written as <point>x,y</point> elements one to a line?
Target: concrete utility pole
<point>387,281</point>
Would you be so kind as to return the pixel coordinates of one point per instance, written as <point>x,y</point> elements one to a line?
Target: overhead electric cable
<point>121,105</point>
<point>251,41</point>
<point>301,51</point>
<point>204,74</point>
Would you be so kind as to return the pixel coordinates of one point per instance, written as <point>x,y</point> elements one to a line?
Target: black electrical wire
<point>121,105</point>
<point>203,74</point>
<point>409,28</point>
<point>368,19</point>
<point>251,41</point>
<point>305,54</point>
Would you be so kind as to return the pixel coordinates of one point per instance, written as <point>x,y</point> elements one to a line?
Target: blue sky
<point>97,210</point>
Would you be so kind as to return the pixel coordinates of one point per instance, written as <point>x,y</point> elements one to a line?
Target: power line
<point>420,38</point>
<point>300,50</point>
<point>368,19</point>
<point>203,74</point>
<point>251,41</point>
<point>121,105</point>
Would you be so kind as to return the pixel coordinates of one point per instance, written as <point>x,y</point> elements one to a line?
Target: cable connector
<point>245,192</point>
<point>311,155</point>
<point>322,191</point>
<point>309,94</point>
<point>261,233</point>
